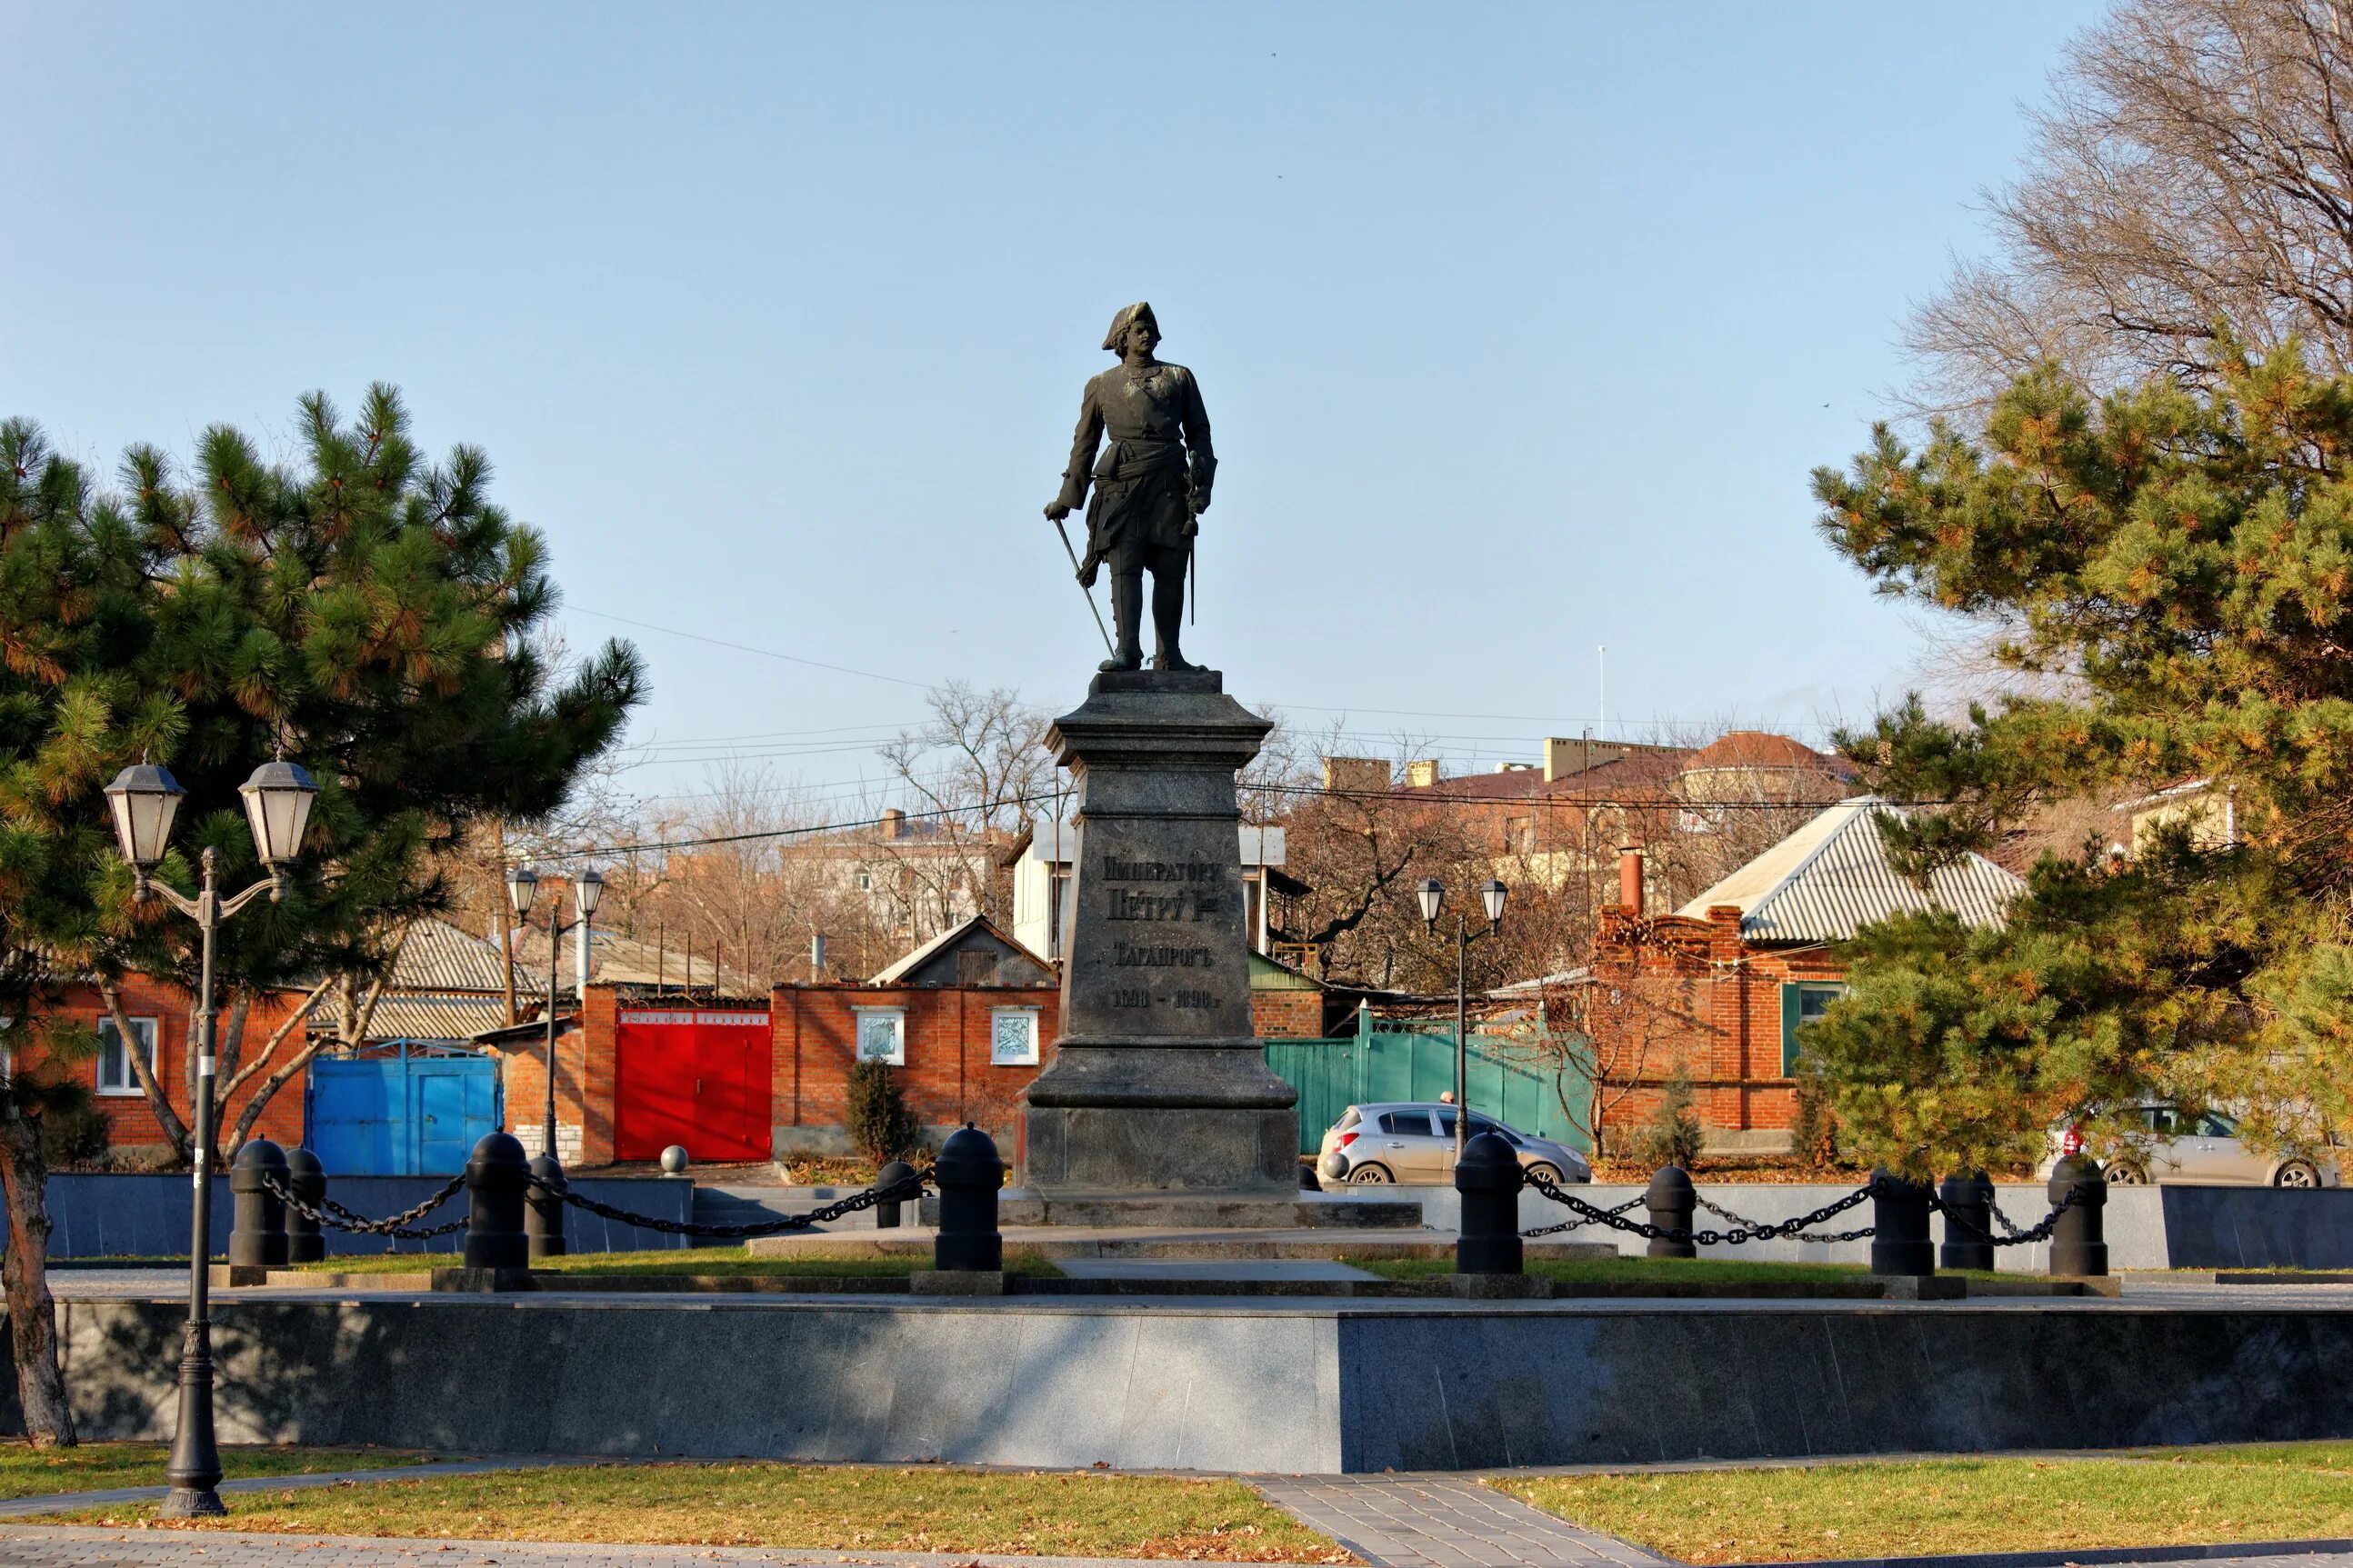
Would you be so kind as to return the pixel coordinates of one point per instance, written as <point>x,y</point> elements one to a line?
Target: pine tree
<point>364,613</point>
<point>2175,569</point>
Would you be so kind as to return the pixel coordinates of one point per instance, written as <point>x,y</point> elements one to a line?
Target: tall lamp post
<point>144,800</point>
<point>587,892</point>
<point>1432,894</point>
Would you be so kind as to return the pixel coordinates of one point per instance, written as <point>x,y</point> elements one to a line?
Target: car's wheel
<point>1544,1171</point>
<point>2125,1176</point>
<point>2296,1174</point>
<point>1369,1174</point>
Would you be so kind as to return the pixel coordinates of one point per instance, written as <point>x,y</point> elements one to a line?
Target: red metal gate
<point>697,1078</point>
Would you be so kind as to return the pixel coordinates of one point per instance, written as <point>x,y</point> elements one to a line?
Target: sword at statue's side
<point>1075,571</point>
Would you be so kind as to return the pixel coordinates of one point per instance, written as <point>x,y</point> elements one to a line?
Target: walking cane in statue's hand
<point>1080,572</point>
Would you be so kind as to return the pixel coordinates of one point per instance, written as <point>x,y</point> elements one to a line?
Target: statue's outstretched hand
<point>1057,510</point>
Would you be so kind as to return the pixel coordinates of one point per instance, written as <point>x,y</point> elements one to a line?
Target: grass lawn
<point>1640,1271</point>
<point>2176,1497</point>
<point>811,1508</point>
<point>28,1471</point>
<point>682,1260</point>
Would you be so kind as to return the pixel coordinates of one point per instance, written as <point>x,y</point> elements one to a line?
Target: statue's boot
<point>1168,621</point>
<point>1127,616</point>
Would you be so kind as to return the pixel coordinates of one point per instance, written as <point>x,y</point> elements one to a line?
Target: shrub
<point>880,1124</point>
<point>1672,1133</point>
<point>75,1132</point>
<point>1813,1125</point>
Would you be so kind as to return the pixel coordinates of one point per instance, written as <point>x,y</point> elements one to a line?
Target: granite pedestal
<point>1158,1085</point>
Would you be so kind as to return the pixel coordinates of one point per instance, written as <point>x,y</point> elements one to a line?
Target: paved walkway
<point>1442,1522</point>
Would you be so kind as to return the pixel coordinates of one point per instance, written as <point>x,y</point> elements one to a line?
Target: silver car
<point>2182,1146</point>
<point>1413,1141</point>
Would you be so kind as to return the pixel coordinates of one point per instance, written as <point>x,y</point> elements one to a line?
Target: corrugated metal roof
<point>439,957</point>
<point>1830,878</point>
<point>417,1018</point>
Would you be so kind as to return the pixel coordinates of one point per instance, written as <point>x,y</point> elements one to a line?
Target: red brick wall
<point>948,1077</point>
<point>1287,1015</point>
<point>1710,1003</point>
<point>134,1120</point>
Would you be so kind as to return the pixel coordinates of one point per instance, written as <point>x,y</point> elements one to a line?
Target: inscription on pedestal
<point>1169,895</point>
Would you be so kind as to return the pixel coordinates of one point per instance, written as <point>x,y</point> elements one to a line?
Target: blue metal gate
<point>401,1109</point>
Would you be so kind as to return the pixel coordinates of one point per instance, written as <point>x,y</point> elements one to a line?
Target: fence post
<point>497,1177</point>
<point>1672,1203</point>
<point>257,1236</point>
<point>891,1216</point>
<point>1968,1222</point>
<point>2079,1241</point>
<point>968,1173</point>
<point>1488,1177</point>
<point>1899,1223</point>
<point>542,1215</point>
<point>307,1180</point>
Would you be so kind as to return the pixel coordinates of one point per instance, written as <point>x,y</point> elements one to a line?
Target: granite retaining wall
<point>132,1215</point>
<point>1312,1388</point>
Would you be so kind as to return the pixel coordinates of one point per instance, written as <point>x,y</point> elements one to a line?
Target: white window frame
<point>147,1033</point>
<point>996,1059</point>
<point>897,1018</point>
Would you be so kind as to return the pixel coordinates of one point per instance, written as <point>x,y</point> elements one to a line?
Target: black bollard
<point>1899,1223</point>
<point>543,1214</point>
<point>1672,1205</point>
<point>1489,1178</point>
<point>887,1215</point>
<point>307,1180</point>
<point>258,1234</point>
<point>1968,1222</point>
<point>497,1177</point>
<point>2079,1239</point>
<point>968,1173</point>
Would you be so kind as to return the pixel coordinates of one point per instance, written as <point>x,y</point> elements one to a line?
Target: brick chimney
<point>893,824</point>
<point>1629,877</point>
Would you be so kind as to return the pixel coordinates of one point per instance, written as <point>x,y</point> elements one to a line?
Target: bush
<point>880,1124</point>
<point>74,1132</point>
<point>1671,1134</point>
<point>1814,1126</point>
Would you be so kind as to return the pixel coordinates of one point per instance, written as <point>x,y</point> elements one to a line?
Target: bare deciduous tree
<point>2194,167</point>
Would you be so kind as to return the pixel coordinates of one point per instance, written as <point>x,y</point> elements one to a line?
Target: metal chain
<point>1705,1238</point>
<point>394,1226</point>
<point>2040,1231</point>
<point>1825,1238</point>
<point>897,1192</point>
<point>1580,1223</point>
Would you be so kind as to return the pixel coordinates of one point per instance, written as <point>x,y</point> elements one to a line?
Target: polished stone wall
<point>1301,1388</point>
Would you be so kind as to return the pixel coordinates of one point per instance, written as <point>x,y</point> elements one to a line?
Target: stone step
<point>1196,1211</point>
<point>752,1205</point>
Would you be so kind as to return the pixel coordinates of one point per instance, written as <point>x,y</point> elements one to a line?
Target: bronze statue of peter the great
<point>1151,484</point>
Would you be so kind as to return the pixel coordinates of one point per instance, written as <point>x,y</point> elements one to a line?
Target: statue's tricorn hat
<point>1139,311</point>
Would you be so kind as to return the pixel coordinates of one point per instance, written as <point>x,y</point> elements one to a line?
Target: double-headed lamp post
<point>1432,894</point>
<point>587,892</point>
<point>144,800</point>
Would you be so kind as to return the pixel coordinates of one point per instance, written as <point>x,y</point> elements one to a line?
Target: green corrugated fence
<point>1386,1063</point>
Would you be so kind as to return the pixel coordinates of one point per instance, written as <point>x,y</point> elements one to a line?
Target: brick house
<point>1721,987</point>
<point>162,1014</point>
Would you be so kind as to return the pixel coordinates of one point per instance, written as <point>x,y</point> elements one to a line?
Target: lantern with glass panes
<point>144,800</point>
<point>1431,895</point>
<point>523,892</point>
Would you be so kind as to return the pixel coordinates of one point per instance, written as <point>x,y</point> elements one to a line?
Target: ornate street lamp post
<point>144,800</point>
<point>587,892</point>
<point>1492,894</point>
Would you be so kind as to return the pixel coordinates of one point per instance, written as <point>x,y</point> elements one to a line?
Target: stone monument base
<point>1152,1120</point>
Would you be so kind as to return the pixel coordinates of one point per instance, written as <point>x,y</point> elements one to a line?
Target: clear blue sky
<point>1521,327</point>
